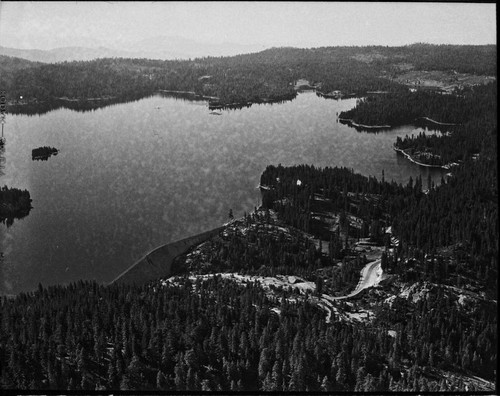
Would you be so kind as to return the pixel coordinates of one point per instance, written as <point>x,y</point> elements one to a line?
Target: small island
<point>14,204</point>
<point>43,153</point>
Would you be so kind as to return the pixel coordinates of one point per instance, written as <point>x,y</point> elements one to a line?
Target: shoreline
<point>362,125</point>
<point>214,104</point>
<point>212,101</point>
<point>408,156</point>
<point>222,106</point>
<point>328,96</point>
<point>157,262</point>
<point>353,123</point>
<point>66,99</point>
<point>54,99</point>
<point>189,93</point>
<point>437,122</point>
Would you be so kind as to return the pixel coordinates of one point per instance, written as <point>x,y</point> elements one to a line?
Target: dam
<point>158,262</point>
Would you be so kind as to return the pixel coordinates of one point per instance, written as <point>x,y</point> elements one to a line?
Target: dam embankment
<point>158,262</point>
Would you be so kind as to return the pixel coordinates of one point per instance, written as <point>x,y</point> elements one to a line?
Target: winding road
<point>370,276</point>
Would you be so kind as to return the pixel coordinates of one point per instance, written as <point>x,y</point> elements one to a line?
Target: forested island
<point>43,153</point>
<point>14,204</point>
<point>338,282</point>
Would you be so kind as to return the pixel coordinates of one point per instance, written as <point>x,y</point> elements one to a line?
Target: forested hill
<point>264,304</point>
<point>407,107</point>
<point>254,308</point>
<point>474,59</point>
<point>264,76</point>
<point>469,119</point>
<point>431,326</point>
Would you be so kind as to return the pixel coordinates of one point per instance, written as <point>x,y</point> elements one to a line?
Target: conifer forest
<point>335,282</point>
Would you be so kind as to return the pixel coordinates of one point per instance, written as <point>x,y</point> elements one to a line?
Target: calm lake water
<point>133,176</point>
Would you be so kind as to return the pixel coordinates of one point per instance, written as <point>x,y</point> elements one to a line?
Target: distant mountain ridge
<point>164,48</point>
<point>64,54</point>
<point>182,48</point>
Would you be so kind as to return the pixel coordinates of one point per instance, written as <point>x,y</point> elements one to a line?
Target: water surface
<point>132,176</point>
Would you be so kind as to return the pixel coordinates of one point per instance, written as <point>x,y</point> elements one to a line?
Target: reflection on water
<point>14,203</point>
<point>40,108</point>
<point>8,221</point>
<point>132,176</point>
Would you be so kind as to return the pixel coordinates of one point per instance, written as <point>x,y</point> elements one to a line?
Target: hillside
<point>268,304</point>
<point>160,47</point>
<point>338,282</point>
<point>266,76</point>
<point>64,54</point>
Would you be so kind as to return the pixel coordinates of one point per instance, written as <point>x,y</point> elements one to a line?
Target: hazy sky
<point>46,25</point>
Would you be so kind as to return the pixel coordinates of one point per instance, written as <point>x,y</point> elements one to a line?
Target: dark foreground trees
<point>217,335</point>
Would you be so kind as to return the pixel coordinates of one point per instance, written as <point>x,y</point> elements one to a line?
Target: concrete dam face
<point>157,263</point>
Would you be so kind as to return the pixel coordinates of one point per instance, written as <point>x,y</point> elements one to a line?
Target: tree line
<point>86,337</point>
<point>474,112</point>
<point>266,75</point>
<point>407,107</point>
<point>218,335</point>
<point>462,211</point>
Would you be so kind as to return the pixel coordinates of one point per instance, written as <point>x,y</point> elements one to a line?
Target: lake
<point>132,176</point>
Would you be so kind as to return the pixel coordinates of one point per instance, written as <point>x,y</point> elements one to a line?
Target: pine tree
<point>298,378</point>
<point>341,378</point>
<point>264,364</point>
<point>360,379</point>
<point>268,384</point>
<point>180,376</point>
<point>326,385</point>
<point>125,383</point>
<point>161,381</point>
<point>191,380</point>
<point>205,385</point>
<point>277,376</point>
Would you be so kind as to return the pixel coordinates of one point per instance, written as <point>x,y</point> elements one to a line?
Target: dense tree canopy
<point>267,75</point>
<point>212,333</point>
